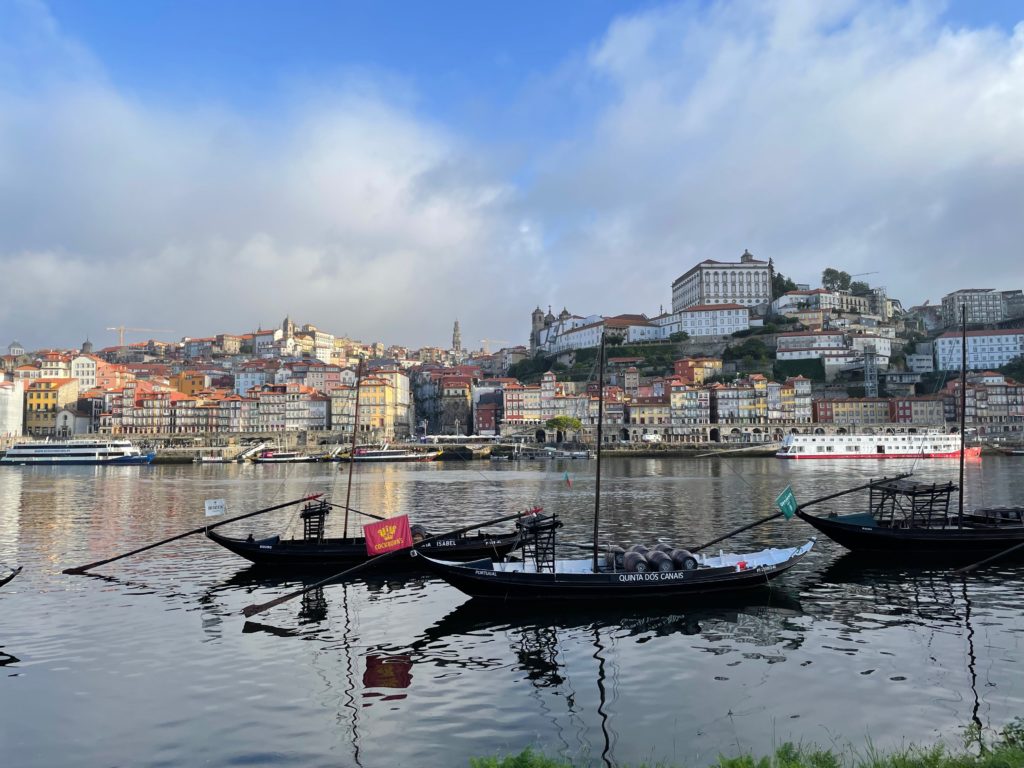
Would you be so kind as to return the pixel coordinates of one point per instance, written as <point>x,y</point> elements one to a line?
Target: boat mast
<point>963,410</point>
<point>352,454</point>
<point>600,433</point>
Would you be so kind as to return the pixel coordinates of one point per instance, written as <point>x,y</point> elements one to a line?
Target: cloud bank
<point>872,138</point>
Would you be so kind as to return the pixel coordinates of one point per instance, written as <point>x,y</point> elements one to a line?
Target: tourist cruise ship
<point>924,445</point>
<point>76,452</point>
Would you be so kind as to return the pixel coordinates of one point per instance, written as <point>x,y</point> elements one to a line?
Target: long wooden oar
<point>83,568</point>
<point>251,610</point>
<point>987,560</point>
<point>730,534</point>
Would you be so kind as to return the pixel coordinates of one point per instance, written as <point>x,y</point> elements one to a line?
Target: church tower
<point>456,338</point>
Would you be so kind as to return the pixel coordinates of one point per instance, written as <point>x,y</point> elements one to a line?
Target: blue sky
<point>351,163</point>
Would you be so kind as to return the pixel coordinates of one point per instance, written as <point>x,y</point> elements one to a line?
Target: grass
<point>1006,750</point>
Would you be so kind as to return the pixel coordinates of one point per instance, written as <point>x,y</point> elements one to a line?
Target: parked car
<point>651,438</point>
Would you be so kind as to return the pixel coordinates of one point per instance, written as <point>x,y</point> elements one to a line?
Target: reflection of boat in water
<point>766,609</point>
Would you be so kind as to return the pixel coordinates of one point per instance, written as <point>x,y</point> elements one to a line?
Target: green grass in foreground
<point>1005,751</point>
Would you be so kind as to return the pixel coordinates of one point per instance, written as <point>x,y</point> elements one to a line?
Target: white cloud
<point>860,136</point>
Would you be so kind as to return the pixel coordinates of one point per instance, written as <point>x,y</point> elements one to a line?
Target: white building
<point>83,368</point>
<point>748,283</point>
<point>12,408</point>
<point>705,320</point>
<point>985,349</point>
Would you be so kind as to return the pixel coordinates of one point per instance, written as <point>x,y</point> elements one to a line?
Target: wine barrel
<point>614,556</point>
<point>635,562</point>
<point>660,561</point>
<point>639,548</point>
<point>683,560</point>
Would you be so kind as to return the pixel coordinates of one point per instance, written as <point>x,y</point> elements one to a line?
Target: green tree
<point>859,288</point>
<point>835,280</point>
<point>678,337</point>
<point>782,284</point>
<point>564,424</point>
<point>1014,369</point>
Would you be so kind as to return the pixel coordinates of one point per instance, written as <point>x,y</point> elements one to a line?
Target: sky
<point>383,169</point>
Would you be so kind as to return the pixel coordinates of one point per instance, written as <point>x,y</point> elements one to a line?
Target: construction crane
<point>487,344</point>
<point>122,328</point>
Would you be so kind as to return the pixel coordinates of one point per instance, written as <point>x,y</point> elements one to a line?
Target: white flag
<point>214,507</point>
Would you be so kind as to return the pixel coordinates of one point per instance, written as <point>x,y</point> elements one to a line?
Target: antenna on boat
<point>600,437</point>
<point>352,455</point>
<point>963,410</point>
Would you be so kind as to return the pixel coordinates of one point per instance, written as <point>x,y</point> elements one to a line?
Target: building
<point>703,320</point>
<point>12,408</point>
<point>984,305</point>
<point>985,349</point>
<point>747,283</point>
<point>44,398</point>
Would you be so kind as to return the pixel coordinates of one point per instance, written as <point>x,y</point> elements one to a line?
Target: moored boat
<point>74,452</point>
<point>386,453</point>
<point>282,457</point>
<point>915,520</point>
<point>315,551</point>
<point>923,445</point>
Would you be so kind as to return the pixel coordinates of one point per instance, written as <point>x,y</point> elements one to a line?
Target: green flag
<point>786,502</point>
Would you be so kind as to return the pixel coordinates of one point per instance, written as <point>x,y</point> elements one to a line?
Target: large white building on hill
<point>747,282</point>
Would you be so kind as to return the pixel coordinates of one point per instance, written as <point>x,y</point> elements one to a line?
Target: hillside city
<point>745,355</point>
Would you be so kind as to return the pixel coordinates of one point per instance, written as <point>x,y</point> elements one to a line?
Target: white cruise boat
<point>76,452</point>
<point>924,445</point>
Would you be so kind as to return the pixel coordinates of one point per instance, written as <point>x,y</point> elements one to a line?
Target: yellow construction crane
<point>487,343</point>
<point>122,328</point>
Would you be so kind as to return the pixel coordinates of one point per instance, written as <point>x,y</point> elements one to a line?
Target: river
<point>150,663</point>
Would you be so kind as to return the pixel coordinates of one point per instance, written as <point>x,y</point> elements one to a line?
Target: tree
<point>678,337</point>
<point>1014,369</point>
<point>564,424</point>
<point>781,284</point>
<point>835,280</point>
<point>859,288</point>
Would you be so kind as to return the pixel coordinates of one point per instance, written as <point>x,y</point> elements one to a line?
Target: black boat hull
<point>10,576</point>
<point>339,554</point>
<point>479,580</point>
<point>859,533</point>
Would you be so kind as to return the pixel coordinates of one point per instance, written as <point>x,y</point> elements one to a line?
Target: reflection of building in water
<point>10,508</point>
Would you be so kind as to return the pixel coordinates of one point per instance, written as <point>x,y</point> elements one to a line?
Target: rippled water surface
<point>151,663</point>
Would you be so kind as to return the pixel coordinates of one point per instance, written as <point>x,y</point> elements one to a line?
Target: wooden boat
<point>540,578</point>
<point>11,575</point>
<point>315,551</point>
<point>914,519</point>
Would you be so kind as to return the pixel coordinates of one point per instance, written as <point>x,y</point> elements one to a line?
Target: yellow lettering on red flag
<point>388,535</point>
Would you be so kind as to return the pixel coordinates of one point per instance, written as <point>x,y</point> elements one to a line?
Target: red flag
<point>388,535</point>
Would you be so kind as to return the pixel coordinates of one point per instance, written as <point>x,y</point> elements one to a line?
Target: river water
<point>153,664</point>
